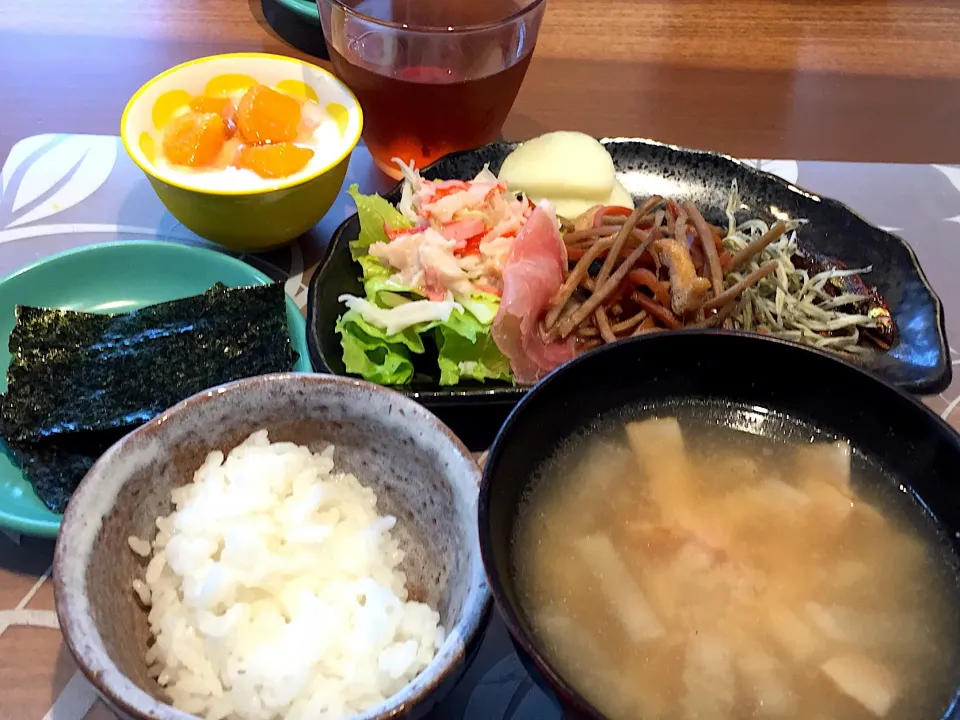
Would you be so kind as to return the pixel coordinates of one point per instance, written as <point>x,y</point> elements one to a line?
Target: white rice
<point>274,591</point>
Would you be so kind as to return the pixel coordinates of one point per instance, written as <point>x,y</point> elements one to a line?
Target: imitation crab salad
<point>436,269</point>
<point>506,278</point>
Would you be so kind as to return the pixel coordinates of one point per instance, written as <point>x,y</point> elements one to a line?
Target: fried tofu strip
<point>687,289</point>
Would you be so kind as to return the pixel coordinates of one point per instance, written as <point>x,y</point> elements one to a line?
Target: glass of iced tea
<point>432,76</point>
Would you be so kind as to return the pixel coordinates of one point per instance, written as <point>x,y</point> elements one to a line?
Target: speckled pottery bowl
<point>421,472</point>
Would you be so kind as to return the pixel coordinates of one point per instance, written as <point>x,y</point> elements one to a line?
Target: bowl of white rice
<point>288,546</point>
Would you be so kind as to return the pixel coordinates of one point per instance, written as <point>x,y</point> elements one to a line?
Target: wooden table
<point>858,80</point>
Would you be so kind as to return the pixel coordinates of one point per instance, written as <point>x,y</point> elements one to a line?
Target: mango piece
<point>279,160</point>
<point>267,116</point>
<point>193,139</point>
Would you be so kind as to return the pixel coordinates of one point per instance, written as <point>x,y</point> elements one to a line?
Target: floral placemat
<point>63,191</point>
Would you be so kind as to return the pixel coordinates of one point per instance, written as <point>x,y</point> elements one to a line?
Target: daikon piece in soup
<point>675,567</point>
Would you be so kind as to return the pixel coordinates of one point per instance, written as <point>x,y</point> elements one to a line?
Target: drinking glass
<point>432,76</point>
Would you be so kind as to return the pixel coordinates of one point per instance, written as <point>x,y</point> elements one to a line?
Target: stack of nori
<point>78,382</point>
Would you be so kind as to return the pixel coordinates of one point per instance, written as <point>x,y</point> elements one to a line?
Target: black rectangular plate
<point>919,363</point>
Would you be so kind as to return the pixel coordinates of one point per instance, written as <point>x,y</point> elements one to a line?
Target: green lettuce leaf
<point>375,356</point>
<point>463,324</point>
<point>376,362</point>
<point>374,268</point>
<point>461,359</point>
<point>409,338</point>
<point>374,212</point>
<point>467,351</point>
<point>376,277</point>
<point>483,306</point>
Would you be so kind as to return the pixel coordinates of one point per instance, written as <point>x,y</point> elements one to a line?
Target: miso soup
<point>675,568</point>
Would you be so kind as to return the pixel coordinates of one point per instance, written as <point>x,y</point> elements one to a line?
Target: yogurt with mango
<point>246,139</point>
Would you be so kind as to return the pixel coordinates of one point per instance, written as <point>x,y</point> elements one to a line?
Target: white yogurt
<point>327,145</point>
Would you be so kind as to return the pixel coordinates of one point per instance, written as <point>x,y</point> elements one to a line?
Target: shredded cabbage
<point>397,319</point>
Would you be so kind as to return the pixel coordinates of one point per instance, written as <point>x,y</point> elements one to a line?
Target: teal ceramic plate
<point>306,9</point>
<point>115,277</point>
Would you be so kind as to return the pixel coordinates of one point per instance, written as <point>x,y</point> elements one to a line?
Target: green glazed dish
<point>113,277</point>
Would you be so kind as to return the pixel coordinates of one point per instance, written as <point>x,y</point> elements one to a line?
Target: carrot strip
<point>625,288</point>
<point>657,310</point>
<point>567,325</point>
<point>625,231</point>
<point>717,238</point>
<point>673,212</point>
<point>643,277</point>
<point>618,211</point>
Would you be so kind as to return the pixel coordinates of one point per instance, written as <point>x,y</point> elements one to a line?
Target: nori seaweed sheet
<point>78,381</point>
<point>56,466</point>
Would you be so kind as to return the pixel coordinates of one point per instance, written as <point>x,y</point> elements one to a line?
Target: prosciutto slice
<point>531,277</point>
